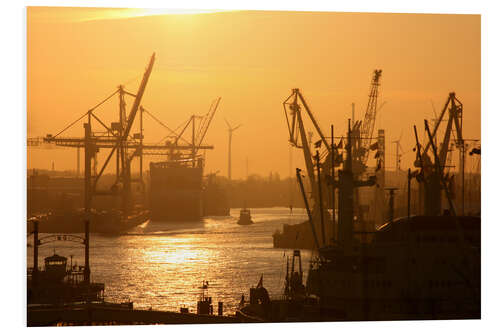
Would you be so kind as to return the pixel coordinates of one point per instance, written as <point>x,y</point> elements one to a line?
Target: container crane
<point>92,143</point>
<point>116,137</point>
<point>177,143</point>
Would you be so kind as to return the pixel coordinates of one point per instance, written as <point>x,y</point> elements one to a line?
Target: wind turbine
<point>398,154</point>
<point>230,130</point>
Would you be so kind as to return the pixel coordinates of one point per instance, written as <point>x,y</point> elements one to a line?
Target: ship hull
<point>413,269</point>
<point>103,223</point>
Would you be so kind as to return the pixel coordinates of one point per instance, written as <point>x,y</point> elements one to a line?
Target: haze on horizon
<point>252,59</point>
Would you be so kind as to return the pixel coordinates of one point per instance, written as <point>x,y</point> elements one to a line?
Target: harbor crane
<point>176,143</point>
<point>123,144</point>
<point>368,124</point>
<point>298,137</point>
<point>361,141</point>
<point>453,108</point>
<point>363,130</point>
<point>115,137</point>
<point>432,167</point>
<point>126,146</point>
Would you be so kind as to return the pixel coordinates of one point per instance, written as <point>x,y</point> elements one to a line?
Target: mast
<point>35,252</point>
<point>333,185</point>
<point>346,186</point>
<point>193,152</point>
<point>88,196</point>
<point>306,203</point>
<point>320,200</point>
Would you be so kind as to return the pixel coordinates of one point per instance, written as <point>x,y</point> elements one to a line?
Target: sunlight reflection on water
<point>163,264</point>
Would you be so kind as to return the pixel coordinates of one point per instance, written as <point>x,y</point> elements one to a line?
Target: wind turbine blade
<point>235,128</point>
<point>229,126</point>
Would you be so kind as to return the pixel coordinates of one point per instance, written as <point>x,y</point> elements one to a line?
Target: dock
<point>116,314</point>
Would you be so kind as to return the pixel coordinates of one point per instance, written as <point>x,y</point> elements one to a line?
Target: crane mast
<point>368,124</point>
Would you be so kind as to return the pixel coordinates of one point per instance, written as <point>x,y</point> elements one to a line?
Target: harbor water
<point>162,265</point>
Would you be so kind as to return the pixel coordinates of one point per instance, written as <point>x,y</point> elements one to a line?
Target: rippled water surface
<point>162,265</point>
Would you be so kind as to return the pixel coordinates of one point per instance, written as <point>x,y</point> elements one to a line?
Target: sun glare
<point>147,12</point>
<point>139,12</point>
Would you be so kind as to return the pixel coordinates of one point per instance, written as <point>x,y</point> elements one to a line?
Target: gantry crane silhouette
<point>124,145</point>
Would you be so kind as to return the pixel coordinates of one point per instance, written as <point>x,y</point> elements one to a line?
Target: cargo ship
<point>56,203</point>
<point>175,190</point>
<point>415,268</point>
<point>412,268</point>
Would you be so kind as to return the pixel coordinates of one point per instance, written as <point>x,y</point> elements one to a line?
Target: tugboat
<point>245,217</point>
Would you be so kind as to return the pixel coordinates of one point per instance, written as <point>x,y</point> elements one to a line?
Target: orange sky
<point>78,56</point>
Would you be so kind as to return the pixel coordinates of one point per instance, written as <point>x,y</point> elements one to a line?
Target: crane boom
<point>454,108</point>
<point>131,117</point>
<point>206,123</point>
<point>296,128</point>
<point>315,123</point>
<point>138,96</point>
